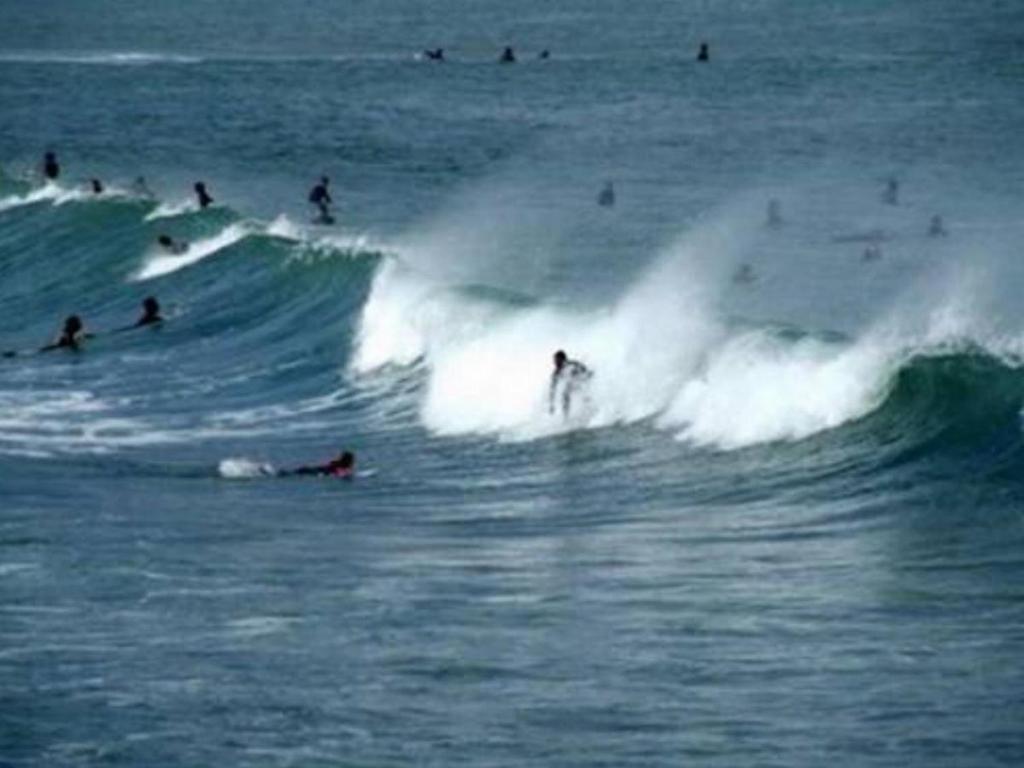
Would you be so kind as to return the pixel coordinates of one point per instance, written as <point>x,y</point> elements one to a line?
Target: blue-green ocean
<point>782,523</point>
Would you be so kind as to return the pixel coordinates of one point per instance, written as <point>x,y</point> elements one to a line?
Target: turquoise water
<point>782,527</point>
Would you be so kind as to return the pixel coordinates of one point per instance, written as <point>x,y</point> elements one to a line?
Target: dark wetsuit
<point>321,198</point>
<point>50,167</point>
<point>335,468</point>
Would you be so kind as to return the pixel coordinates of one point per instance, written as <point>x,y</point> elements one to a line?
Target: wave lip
<point>165,264</point>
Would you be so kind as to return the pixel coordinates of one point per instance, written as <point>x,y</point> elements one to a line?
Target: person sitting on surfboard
<point>570,375</point>
<point>343,466</point>
<point>321,198</point>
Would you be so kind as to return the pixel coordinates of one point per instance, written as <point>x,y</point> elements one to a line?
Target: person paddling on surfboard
<point>570,375</point>
<point>343,466</point>
<point>321,198</point>
<point>71,337</point>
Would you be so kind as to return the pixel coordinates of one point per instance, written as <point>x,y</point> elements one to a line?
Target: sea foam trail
<point>161,264</point>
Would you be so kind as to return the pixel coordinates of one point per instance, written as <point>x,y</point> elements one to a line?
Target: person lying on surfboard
<point>342,466</point>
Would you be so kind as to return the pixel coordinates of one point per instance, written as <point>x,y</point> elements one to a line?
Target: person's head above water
<point>560,359</point>
<point>165,241</point>
<point>343,465</point>
<point>151,306</point>
<point>72,325</point>
<point>324,180</point>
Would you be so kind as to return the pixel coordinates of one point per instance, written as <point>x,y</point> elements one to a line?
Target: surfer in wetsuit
<point>508,56</point>
<point>97,186</point>
<point>71,337</point>
<point>434,55</point>
<point>169,244</point>
<point>321,198</point>
<point>342,466</point>
<point>202,195</point>
<point>150,312</point>
<point>570,375</point>
<point>51,170</point>
<point>703,54</point>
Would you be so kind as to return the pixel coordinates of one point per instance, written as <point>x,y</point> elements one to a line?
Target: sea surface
<point>783,523</point>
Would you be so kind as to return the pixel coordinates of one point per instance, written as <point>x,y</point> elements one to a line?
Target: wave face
<point>779,524</point>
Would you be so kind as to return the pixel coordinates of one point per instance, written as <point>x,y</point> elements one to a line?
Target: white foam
<point>160,264</point>
<point>243,469</point>
<point>48,191</point>
<point>168,210</point>
<point>759,388</point>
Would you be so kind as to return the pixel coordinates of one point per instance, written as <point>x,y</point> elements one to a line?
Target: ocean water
<point>782,526</point>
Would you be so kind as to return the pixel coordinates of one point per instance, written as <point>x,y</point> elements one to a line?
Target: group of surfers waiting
<point>508,54</point>
<point>319,195</point>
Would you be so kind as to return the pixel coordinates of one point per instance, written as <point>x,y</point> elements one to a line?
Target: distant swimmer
<point>606,197</point>
<point>71,337</point>
<point>545,54</point>
<point>744,275</point>
<point>774,214</point>
<point>97,186</point>
<point>141,188</point>
<point>342,466</point>
<point>569,376</point>
<point>51,169</point>
<point>937,228</point>
<point>891,195</point>
<point>150,312</point>
<point>704,54</point>
<point>321,198</point>
<point>434,55</point>
<point>172,246</point>
<point>872,253</point>
<point>508,56</point>
<point>202,195</point>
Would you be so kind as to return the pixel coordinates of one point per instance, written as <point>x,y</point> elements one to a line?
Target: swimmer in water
<point>71,337</point>
<point>704,54</point>
<point>140,188</point>
<point>570,375</point>
<point>342,466</point>
<point>508,56</point>
<point>434,55</point>
<point>321,198</point>
<point>891,196</point>
<point>172,246</point>
<point>936,228</point>
<point>606,197</point>
<point>872,253</point>
<point>744,275</point>
<point>202,195</point>
<point>51,169</point>
<point>97,186</point>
